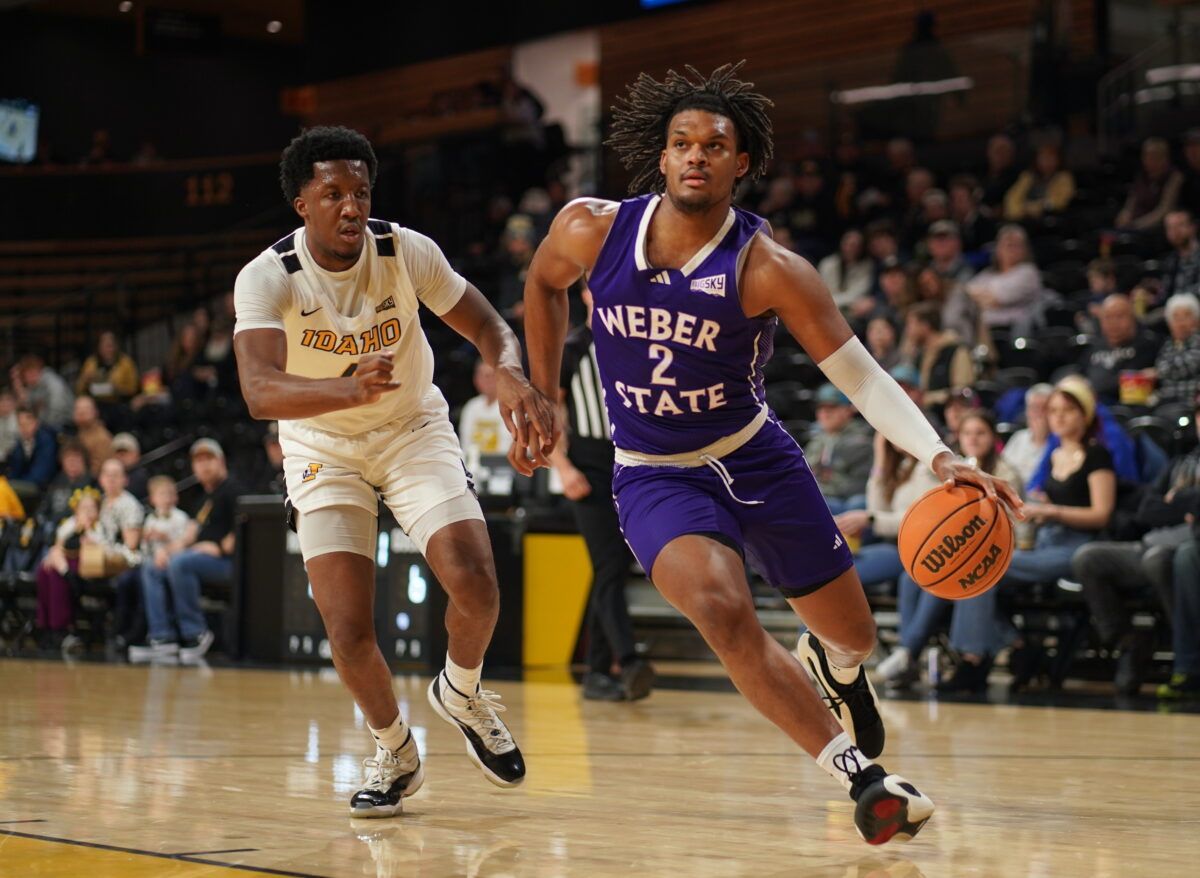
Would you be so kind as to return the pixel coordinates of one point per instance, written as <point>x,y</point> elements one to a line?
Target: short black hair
<point>640,119</point>
<point>325,143</point>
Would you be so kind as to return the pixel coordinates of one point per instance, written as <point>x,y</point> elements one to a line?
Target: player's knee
<point>854,643</point>
<point>473,588</point>
<point>351,639</point>
<point>723,618</point>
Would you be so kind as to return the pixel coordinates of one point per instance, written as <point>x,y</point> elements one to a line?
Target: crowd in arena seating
<point>1046,317</point>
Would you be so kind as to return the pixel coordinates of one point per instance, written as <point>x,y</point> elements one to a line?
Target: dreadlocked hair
<point>640,119</point>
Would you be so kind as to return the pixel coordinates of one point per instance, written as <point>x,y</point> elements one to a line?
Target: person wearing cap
<point>1047,187</point>
<point>839,451</point>
<point>1181,267</point>
<point>127,449</point>
<point>944,245</point>
<point>944,361</point>
<point>207,559</point>
<point>1074,495</point>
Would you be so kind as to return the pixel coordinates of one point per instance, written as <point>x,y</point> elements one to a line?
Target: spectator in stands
<point>32,463</point>
<point>1045,188</point>
<point>1102,279</point>
<point>1074,503</point>
<point>882,341</point>
<point>1002,170</point>
<point>1185,618</point>
<point>896,481</point>
<point>1181,268</point>
<point>935,206</point>
<point>848,273</point>
<point>184,354</point>
<point>975,228</point>
<point>1123,346</point>
<point>215,368</point>
<point>1155,189</point>
<point>166,531</point>
<point>73,474</point>
<point>127,449</point>
<point>480,427</point>
<point>882,243</point>
<point>1189,192</point>
<point>1109,571</point>
<point>945,247</point>
<point>812,216</point>
<point>120,512</point>
<point>120,532</point>
<point>899,292</point>
<point>961,402</point>
<point>209,559</point>
<point>92,433</point>
<point>839,451</point>
<point>108,376</point>
<point>912,228</point>
<point>8,423</point>
<point>942,358</point>
<point>263,473</point>
<point>900,157</point>
<point>11,507</point>
<point>1177,369</point>
<point>40,388</point>
<point>55,602</point>
<point>920,611</point>
<point>519,241</point>
<point>1008,293</point>
<point>1026,447</point>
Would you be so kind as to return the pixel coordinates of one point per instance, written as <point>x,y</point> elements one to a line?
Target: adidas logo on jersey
<point>713,286</point>
<point>389,302</point>
<point>661,278</point>
<point>837,541</point>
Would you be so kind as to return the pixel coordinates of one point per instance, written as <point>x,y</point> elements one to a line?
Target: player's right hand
<point>373,377</point>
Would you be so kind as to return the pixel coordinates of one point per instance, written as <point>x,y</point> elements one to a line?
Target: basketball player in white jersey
<point>329,343</point>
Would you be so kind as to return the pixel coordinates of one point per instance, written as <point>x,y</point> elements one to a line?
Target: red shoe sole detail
<point>884,835</point>
<point>886,809</point>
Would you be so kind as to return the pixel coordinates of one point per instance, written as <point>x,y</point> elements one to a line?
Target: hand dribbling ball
<point>956,542</point>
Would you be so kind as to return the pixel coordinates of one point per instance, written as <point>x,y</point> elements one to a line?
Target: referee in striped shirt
<point>584,461</point>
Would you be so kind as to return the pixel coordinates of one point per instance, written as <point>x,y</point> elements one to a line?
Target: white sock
<point>841,759</point>
<point>393,737</point>
<point>465,680</point>
<point>843,675</point>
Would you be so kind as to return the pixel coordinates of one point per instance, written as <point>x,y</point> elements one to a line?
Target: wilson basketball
<point>956,542</point>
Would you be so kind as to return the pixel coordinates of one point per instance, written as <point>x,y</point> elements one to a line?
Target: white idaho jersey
<point>332,318</point>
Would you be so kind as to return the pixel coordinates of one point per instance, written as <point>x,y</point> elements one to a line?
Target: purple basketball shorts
<point>788,535</point>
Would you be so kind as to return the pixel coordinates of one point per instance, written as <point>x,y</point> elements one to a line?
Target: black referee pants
<point>609,629</point>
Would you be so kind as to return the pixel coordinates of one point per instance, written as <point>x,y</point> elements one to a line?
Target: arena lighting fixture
<point>274,27</point>
<point>902,90</point>
<point>1173,73</point>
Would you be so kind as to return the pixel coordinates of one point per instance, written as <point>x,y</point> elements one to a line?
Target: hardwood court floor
<point>133,771</point>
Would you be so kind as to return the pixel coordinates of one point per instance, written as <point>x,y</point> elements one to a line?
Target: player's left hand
<point>530,418</point>
<point>953,470</point>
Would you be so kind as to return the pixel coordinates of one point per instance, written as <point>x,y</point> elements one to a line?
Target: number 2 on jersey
<point>659,375</point>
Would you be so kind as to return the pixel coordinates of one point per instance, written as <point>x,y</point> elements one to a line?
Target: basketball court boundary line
<point>185,858</point>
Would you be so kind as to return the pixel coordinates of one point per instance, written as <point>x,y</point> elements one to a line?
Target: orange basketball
<point>956,542</point>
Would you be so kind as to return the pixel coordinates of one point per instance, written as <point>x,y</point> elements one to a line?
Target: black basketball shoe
<point>854,705</point>
<point>888,808</point>
<point>391,777</point>
<point>490,745</point>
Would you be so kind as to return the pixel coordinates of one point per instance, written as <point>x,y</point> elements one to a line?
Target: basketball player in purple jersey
<point>688,292</point>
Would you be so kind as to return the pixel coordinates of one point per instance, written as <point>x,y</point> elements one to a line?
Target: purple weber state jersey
<point>680,362</point>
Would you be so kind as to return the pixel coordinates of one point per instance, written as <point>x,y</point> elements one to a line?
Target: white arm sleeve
<point>437,285</point>
<point>261,296</point>
<point>882,401</point>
